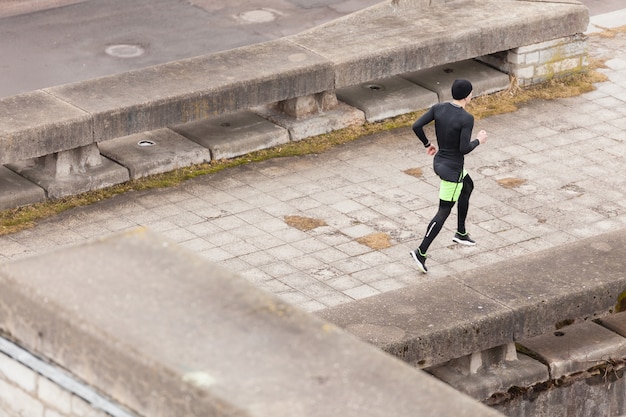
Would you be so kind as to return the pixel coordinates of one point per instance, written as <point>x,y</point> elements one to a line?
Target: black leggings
<point>445,208</point>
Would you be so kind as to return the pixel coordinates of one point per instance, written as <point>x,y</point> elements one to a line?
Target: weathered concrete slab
<point>196,88</point>
<point>107,174</point>
<point>416,324</point>
<point>577,281</point>
<point>576,348</point>
<point>484,79</point>
<point>17,191</point>
<point>399,38</point>
<point>491,306</point>
<point>524,372</point>
<point>389,97</point>
<point>165,333</point>
<point>316,124</point>
<point>615,322</point>
<point>154,152</point>
<point>232,135</point>
<point>36,124</point>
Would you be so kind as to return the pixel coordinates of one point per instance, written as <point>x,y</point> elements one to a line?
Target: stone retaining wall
<point>164,333</point>
<point>52,137</point>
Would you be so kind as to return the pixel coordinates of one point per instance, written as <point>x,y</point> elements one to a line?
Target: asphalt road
<point>51,42</point>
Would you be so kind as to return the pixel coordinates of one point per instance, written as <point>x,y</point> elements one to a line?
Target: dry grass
<point>14,220</point>
<point>304,224</point>
<point>611,32</point>
<point>414,172</point>
<point>511,99</point>
<point>511,182</point>
<point>376,241</point>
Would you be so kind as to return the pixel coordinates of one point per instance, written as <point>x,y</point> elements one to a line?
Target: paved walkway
<point>552,172</point>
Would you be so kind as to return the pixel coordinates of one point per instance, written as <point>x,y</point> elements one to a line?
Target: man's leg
<point>461,236</point>
<point>466,192</point>
<point>434,227</point>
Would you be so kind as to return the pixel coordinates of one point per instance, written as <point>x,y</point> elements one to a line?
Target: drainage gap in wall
<point>374,87</point>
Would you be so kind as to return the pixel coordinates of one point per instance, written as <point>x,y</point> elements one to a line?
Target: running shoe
<point>463,239</point>
<point>420,259</point>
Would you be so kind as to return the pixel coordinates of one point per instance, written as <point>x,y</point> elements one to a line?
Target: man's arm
<point>466,144</point>
<point>418,126</point>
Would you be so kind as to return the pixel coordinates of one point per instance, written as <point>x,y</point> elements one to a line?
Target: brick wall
<point>25,393</point>
<point>31,387</point>
<point>543,61</point>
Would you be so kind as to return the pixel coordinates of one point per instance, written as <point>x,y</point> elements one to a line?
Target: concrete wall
<point>515,331</point>
<point>52,137</point>
<point>164,333</point>
<point>132,325</point>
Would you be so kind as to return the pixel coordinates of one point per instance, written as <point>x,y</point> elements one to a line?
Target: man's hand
<point>431,150</point>
<point>482,136</point>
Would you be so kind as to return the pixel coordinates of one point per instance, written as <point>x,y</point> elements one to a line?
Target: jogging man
<point>453,128</point>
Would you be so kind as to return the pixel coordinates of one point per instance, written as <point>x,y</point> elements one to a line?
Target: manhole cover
<point>258,16</point>
<point>125,51</point>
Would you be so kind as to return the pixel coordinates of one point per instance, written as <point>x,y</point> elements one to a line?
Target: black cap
<point>461,89</point>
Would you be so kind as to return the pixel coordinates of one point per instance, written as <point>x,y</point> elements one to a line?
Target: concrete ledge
<point>376,43</point>
<point>154,152</point>
<point>524,372</point>
<point>107,174</point>
<point>389,97</point>
<point>196,88</point>
<point>615,322</point>
<point>37,124</point>
<point>17,191</point>
<point>485,79</point>
<point>235,134</point>
<point>491,306</point>
<point>164,333</point>
<point>576,348</point>
<point>315,124</point>
<point>396,37</point>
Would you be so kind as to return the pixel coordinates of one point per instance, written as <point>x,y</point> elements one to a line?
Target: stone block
<point>154,152</point>
<point>521,373</point>
<point>235,134</point>
<point>71,161</point>
<point>18,403</point>
<point>17,191</point>
<point>615,322</point>
<point>18,374</point>
<point>389,97</point>
<point>484,79</point>
<point>105,175</point>
<point>54,396</point>
<point>164,333</point>
<point>316,124</point>
<point>576,348</point>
